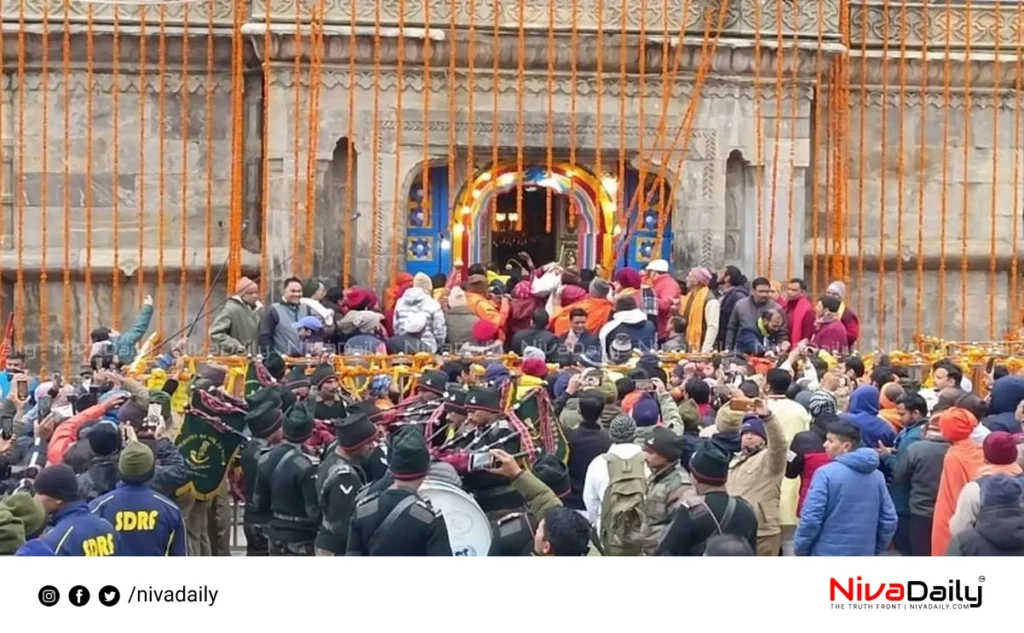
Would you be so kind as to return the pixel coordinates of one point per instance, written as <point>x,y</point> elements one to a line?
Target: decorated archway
<point>593,198</point>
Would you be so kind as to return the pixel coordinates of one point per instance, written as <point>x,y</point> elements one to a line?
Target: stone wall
<point>145,162</point>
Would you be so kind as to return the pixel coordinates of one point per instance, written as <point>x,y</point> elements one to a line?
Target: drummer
<point>487,430</point>
<point>398,522</point>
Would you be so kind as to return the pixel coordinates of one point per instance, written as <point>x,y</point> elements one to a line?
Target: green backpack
<point>622,509</point>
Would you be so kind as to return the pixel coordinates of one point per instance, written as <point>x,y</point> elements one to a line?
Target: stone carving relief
<point>932,23</point>
<point>197,14</point>
<point>589,15</point>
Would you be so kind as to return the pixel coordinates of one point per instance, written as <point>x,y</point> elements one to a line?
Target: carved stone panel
<point>742,16</point>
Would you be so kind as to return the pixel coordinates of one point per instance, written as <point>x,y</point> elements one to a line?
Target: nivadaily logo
<point>910,594</point>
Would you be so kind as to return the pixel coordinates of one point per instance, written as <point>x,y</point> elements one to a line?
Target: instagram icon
<point>49,596</point>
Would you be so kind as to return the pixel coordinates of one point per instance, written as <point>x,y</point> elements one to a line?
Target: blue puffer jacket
<point>1007,392</point>
<point>863,414</point>
<point>848,511</point>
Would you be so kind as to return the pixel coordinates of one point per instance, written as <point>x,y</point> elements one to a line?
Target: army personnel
<point>667,486</point>
<point>397,522</point>
<point>265,423</point>
<point>547,529</point>
<point>339,480</point>
<point>486,430</point>
<point>286,488</point>
<point>298,382</point>
<point>329,403</point>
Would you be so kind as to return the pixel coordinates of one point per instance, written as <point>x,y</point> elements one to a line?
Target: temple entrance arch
<point>589,197</point>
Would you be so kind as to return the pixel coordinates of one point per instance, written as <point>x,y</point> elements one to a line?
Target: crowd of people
<point>771,439</point>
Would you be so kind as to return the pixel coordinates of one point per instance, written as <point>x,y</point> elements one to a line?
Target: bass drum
<point>469,531</point>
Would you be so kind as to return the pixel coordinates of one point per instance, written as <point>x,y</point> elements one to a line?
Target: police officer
<point>339,480</point>
<point>486,429</point>
<point>75,531</point>
<point>286,488</point>
<point>146,522</point>
<point>397,522</point>
<point>265,422</point>
<point>329,403</point>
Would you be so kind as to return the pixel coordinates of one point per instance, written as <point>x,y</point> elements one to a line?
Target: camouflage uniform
<point>665,491</point>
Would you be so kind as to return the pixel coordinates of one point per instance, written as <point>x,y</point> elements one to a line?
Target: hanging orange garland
<point>66,313</point>
<point>348,229</point>
<point>115,274</point>
<point>43,190</point>
<point>375,140</point>
<point>997,106</point>
<point>966,168</point>
<point>183,210</point>
<point>900,162</point>
<point>882,202</point>
<point>208,233</point>
<point>921,175</point>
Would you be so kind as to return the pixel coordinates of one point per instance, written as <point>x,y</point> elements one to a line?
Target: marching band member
<point>286,489</point>
<point>397,522</point>
<point>339,479</point>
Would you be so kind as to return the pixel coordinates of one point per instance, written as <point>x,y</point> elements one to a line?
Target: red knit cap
<point>999,448</point>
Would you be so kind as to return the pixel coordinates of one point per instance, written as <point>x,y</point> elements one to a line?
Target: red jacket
<point>831,336</point>
<point>800,318</point>
<point>852,325</point>
<point>66,433</point>
<point>806,455</point>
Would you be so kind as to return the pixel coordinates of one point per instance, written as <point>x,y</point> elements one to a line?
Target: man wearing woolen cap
<point>75,531</point>
<point>397,522</point>
<point>265,420</point>
<point>339,479</point>
<point>713,512</point>
<point>236,327</point>
<point>667,486</point>
<point>286,488</point>
<point>146,522</point>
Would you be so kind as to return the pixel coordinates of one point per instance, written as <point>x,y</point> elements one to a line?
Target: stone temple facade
<point>152,134</point>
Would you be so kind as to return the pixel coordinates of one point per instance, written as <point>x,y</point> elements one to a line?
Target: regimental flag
<point>210,438</point>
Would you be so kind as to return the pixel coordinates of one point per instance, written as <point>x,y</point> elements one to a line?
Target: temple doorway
<point>509,237</point>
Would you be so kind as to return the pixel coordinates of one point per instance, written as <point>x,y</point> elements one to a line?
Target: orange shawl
<point>961,465</point>
<point>694,315</point>
<point>599,312</point>
<point>889,413</point>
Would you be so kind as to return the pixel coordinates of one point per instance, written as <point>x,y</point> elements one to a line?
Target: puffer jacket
<point>1007,392</point>
<point>757,478</point>
<point>413,301</point>
<point>806,455</point>
<point>848,510</point>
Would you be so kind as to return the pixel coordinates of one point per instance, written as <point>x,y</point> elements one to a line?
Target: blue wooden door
<point>427,225</point>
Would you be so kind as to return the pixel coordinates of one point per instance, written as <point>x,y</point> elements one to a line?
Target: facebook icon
<point>79,596</point>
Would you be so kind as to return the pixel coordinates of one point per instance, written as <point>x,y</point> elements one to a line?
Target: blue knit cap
<point>753,424</point>
<point>646,411</point>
